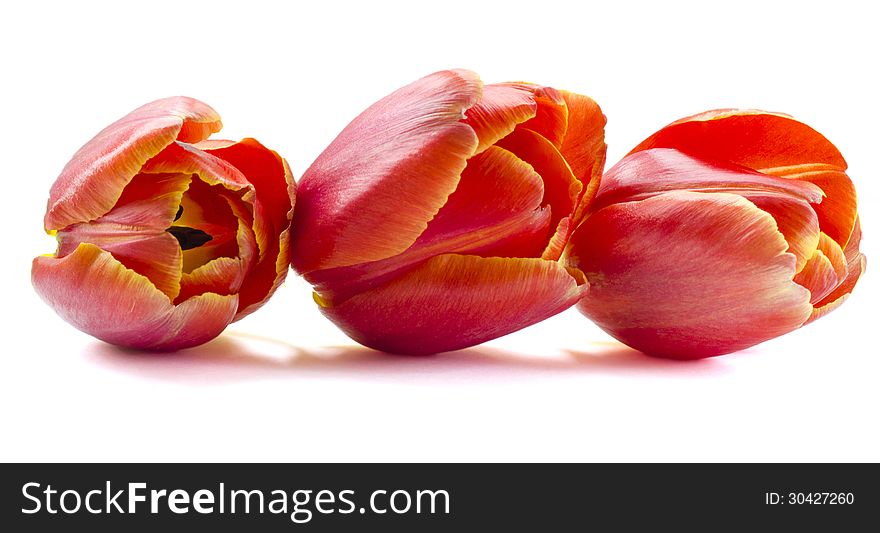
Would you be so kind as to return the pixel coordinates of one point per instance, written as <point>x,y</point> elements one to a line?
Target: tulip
<point>164,237</point>
<point>435,220</point>
<point>718,232</point>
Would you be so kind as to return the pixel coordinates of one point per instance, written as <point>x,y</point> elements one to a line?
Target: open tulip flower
<point>435,220</point>
<point>718,232</point>
<point>164,237</point>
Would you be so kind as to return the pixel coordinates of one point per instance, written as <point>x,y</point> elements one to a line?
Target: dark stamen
<point>189,238</point>
<point>179,213</point>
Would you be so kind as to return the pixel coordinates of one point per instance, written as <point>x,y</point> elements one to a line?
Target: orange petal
<point>825,270</point>
<point>584,147</point>
<point>275,192</point>
<point>223,275</point>
<point>551,116</point>
<point>855,267</point>
<point>455,301</point>
<point>561,188</point>
<point>795,219</point>
<point>98,295</point>
<point>558,240</point>
<point>838,210</point>
<point>501,108</point>
<point>93,180</point>
<point>688,275</point>
<point>774,144</point>
<point>751,138</point>
<point>496,210</point>
<point>371,193</point>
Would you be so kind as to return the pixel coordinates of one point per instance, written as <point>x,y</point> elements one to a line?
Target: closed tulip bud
<point>718,232</point>
<point>436,219</point>
<point>164,237</point>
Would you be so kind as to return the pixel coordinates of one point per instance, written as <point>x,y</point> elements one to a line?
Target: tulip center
<point>205,225</point>
<point>188,238</point>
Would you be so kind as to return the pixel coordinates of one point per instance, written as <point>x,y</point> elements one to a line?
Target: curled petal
<point>98,295</point>
<point>223,275</point>
<point>795,219</point>
<point>584,147</point>
<point>825,270</point>
<point>454,301</point>
<point>688,275</point>
<point>561,188</point>
<point>275,193</point>
<point>183,158</point>
<point>501,108</point>
<point>551,116</point>
<point>371,193</point>
<point>93,180</point>
<point>838,210</point>
<point>855,267</point>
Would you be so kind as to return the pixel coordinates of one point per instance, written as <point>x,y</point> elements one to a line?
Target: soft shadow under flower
<point>236,357</point>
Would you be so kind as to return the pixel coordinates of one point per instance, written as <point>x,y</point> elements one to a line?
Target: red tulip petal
<point>644,174</point>
<point>584,147</point>
<point>755,139</point>
<point>93,180</point>
<point>98,295</point>
<point>688,275</point>
<point>454,301</point>
<point>561,188</point>
<point>838,211</point>
<point>371,193</point>
<point>275,191</point>
<point>501,108</point>
<point>512,223</point>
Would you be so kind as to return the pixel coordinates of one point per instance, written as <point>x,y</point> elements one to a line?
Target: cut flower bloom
<point>435,220</point>
<point>718,232</point>
<point>165,237</point>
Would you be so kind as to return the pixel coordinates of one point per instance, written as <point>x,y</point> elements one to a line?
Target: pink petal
<point>96,294</point>
<point>688,275</point>
<point>93,180</point>
<point>134,230</point>
<point>371,193</point>
<point>455,301</point>
<point>496,210</point>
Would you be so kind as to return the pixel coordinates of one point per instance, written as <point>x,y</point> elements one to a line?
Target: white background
<point>284,384</point>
